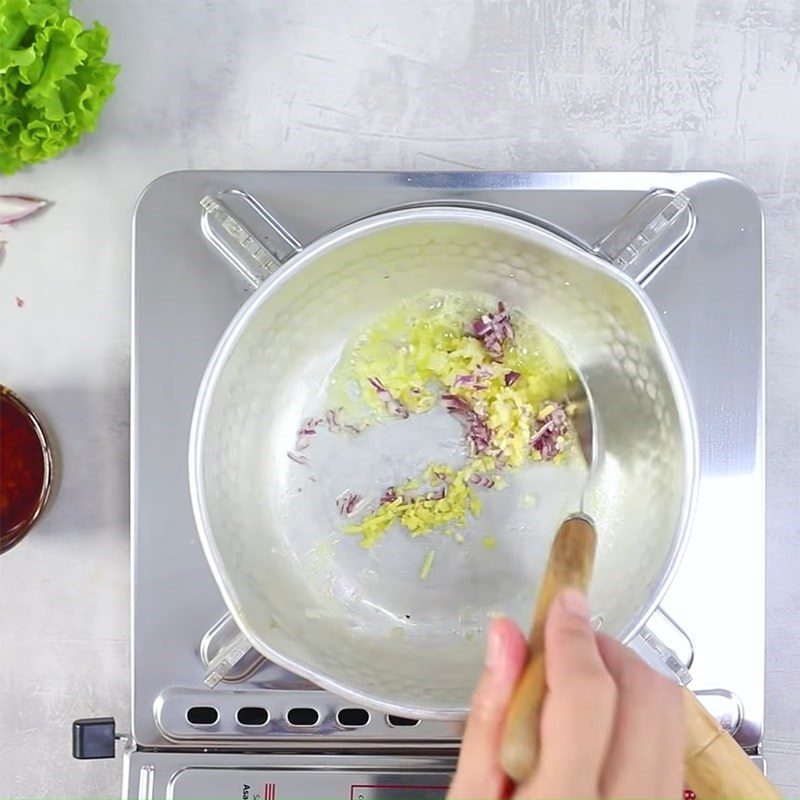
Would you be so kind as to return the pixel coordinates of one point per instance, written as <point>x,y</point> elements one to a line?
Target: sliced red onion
<point>307,432</point>
<point>393,405</point>
<point>511,377</point>
<point>457,406</point>
<point>541,432</point>
<point>481,480</point>
<point>299,459</point>
<point>558,418</point>
<point>555,425</point>
<point>336,424</point>
<point>545,442</point>
<point>14,207</point>
<point>333,420</point>
<point>348,503</point>
<point>492,330</point>
<point>481,326</point>
<point>389,496</point>
<point>477,430</point>
<point>437,494</point>
<point>470,381</point>
<point>480,436</point>
<point>443,477</point>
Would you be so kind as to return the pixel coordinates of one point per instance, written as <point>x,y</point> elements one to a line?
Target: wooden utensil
<point>716,768</point>
<point>570,564</point>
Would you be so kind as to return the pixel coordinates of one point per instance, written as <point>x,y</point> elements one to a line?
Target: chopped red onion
<point>477,430</point>
<point>437,494</point>
<point>443,477</point>
<point>481,480</point>
<point>393,405</point>
<point>471,381</point>
<point>389,496</point>
<point>299,459</point>
<point>545,443</point>
<point>547,440</point>
<point>492,330</point>
<point>511,377</point>
<point>333,418</point>
<point>307,432</point>
<point>457,406</point>
<point>348,503</point>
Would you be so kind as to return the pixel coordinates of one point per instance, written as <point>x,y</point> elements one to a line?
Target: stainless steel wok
<point>362,623</point>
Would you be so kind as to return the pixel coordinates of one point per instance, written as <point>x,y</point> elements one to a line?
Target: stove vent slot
<point>352,717</point>
<point>401,722</point>
<point>303,717</point>
<point>202,715</point>
<point>252,716</point>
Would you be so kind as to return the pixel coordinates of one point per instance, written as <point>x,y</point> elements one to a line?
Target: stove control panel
<point>290,776</point>
<point>251,784</point>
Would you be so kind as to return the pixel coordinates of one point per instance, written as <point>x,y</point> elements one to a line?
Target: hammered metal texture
<point>363,623</point>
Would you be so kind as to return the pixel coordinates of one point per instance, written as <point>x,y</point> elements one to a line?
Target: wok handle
<point>654,228</point>
<point>247,235</point>
<point>715,766</point>
<point>226,659</point>
<point>570,565</point>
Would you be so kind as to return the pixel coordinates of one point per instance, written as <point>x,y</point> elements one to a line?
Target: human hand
<point>610,728</point>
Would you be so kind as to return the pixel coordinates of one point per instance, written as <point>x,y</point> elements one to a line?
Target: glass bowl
<point>26,469</point>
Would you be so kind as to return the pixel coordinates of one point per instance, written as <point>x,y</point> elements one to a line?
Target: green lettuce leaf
<point>53,80</point>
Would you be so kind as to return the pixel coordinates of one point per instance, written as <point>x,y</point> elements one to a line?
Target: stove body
<point>265,733</point>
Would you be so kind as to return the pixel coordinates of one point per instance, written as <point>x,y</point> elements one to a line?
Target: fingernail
<point>573,601</point>
<point>494,648</point>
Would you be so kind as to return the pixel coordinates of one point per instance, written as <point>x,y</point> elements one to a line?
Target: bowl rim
<point>15,536</point>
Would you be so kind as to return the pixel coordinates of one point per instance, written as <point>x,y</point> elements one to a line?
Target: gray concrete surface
<point>612,84</point>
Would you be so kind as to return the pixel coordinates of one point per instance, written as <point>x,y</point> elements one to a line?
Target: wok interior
<point>363,622</point>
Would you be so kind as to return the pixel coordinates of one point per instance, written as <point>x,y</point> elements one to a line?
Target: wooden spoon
<point>714,764</point>
<point>570,564</point>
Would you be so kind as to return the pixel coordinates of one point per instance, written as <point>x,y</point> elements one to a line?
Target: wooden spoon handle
<point>715,767</point>
<point>570,564</point>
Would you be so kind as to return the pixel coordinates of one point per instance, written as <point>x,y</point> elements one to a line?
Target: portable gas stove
<point>263,733</point>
